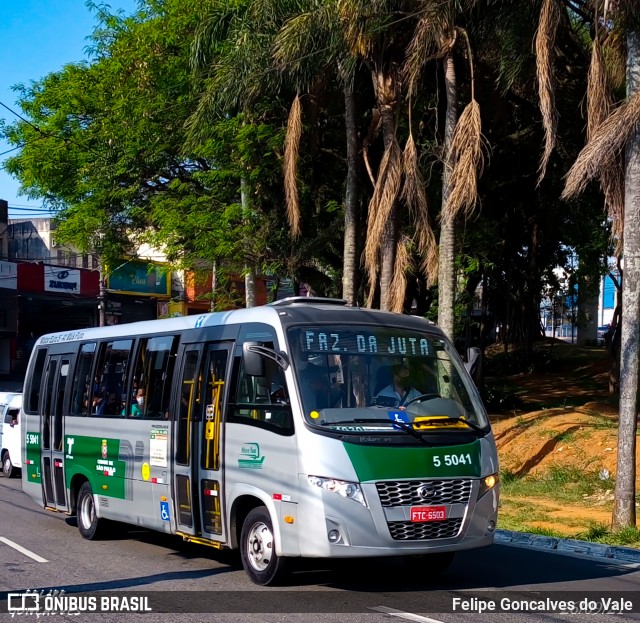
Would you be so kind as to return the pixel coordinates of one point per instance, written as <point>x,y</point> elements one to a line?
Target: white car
<point>10,416</point>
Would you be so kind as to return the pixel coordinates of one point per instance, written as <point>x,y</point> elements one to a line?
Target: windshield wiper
<point>408,428</point>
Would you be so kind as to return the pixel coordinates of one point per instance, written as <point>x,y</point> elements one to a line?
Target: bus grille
<point>406,493</point>
<point>407,530</point>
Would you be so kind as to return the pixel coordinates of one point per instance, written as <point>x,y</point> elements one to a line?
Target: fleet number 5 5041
<point>451,459</point>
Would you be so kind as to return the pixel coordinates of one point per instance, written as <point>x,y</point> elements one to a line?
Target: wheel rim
<point>6,465</point>
<point>260,546</point>
<point>87,511</point>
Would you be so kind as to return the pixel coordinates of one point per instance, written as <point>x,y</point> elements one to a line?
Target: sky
<point>39,37</point>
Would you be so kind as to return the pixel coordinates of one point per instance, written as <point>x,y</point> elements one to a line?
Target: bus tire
<point>430,566</point>
<point>257,549</point>
<point>8,469</point>
<point>89,524</point>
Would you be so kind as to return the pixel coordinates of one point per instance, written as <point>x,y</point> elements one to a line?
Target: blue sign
<point>164,511</point>
<point>398,416</point>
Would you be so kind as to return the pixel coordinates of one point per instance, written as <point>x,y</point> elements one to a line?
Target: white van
<point>10,416</point>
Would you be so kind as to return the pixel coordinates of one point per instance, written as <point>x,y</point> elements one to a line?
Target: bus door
<point>52,431</point>
<point>198,478</point>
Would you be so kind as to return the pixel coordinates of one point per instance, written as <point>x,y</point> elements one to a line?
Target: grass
<point>600,533</point>
<point>561,484</point>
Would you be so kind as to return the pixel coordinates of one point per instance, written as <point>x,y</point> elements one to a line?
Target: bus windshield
<point>382,378</point>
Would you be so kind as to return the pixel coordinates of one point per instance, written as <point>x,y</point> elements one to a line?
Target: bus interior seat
<point>383,378</point>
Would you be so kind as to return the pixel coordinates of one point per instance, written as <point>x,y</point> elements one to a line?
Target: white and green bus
<point>303,428</point>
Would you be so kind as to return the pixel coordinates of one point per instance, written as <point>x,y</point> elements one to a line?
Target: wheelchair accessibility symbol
<point>164,511</point>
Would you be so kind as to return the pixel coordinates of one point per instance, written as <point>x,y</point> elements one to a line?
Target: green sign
<point>140,277</point>
<point>386,462</point>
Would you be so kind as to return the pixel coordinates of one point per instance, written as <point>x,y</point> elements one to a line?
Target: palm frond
<point>433,37</point>
<point>414,195</point>
<point>608,141</point>
<point>398,287</point>
<point>381,204</point>
<point>465,162</point>
<point>290,165</point>
<point>544,43</point>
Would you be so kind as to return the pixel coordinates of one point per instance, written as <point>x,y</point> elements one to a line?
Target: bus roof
<point>270,313</point>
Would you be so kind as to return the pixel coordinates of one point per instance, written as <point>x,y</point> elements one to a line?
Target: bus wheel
<point>7,466</point>
<point>90,525</point>
<point>257,548</point>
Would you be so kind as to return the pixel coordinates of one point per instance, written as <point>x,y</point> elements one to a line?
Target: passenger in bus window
<point>137,407</point>
<point>110,406</point>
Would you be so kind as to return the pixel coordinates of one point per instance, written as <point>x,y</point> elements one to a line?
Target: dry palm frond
<point>608,141</point>
<point>599,101</point>
<point>433,37</point>
<point>465,162</point>
<point>291,150</point>
<point>416,199</point>
<point>398,288</point>
<point>545,40</point>
<point>382,202</point>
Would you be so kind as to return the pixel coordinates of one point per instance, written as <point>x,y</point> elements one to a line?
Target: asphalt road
<point>42,552</point>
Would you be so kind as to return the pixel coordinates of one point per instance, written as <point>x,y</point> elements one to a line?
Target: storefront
<point>8,315</point>
<point>134,290</point>
<point>51,299</point>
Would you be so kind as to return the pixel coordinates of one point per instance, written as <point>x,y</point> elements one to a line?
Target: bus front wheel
<point>89,524</point>
<point>257,548</point>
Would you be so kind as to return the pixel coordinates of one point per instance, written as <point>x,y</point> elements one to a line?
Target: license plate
<point>420,514</point>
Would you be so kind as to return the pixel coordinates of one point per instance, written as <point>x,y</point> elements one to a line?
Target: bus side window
<point>153,377</point>
<point>111,378</point>
<point>263,398</point>
<point>82,385</point>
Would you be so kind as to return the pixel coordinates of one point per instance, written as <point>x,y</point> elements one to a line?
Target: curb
<point>568,546</point>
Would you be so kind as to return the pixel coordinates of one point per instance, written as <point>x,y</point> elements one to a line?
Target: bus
<point>275,430</point>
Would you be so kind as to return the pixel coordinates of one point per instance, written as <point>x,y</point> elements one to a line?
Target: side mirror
<point>472,364</point>
<point>253,359</point>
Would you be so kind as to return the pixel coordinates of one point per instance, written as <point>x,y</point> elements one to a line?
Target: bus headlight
<point>487,483</point>
<point>349,490</point>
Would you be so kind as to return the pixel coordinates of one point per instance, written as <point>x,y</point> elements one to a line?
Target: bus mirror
<point>253,361</point>
<point>253,353</point>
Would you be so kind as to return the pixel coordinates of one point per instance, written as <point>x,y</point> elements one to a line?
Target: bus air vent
<point>311,300</point>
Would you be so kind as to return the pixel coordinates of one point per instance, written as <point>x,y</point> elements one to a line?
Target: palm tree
<point>615,132</point>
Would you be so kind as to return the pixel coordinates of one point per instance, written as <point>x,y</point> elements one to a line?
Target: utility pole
<point>102,299</point>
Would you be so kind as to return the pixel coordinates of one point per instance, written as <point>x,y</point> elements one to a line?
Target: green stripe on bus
<point>389,462</point>
<point>96,458</point>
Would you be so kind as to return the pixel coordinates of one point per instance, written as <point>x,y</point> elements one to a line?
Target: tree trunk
<point>249,274</point>
<point>446,267</point>
<point>351,199</point>
<point>624,509</point>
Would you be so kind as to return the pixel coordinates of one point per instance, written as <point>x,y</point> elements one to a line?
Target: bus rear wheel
<point>89,524</point>
<point>7,466</point>
<point>257,549</point>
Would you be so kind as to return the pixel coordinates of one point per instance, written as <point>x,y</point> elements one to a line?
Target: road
<point>43,552</point>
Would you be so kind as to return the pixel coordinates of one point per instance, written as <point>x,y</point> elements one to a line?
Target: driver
<point>399,388</point>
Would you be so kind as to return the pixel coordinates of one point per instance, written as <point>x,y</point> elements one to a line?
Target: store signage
<point>59,279</point>
<point>8,275</point>
<point>140,277</point>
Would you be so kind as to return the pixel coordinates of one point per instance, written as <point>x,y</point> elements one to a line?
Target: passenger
<point>137,407</point>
